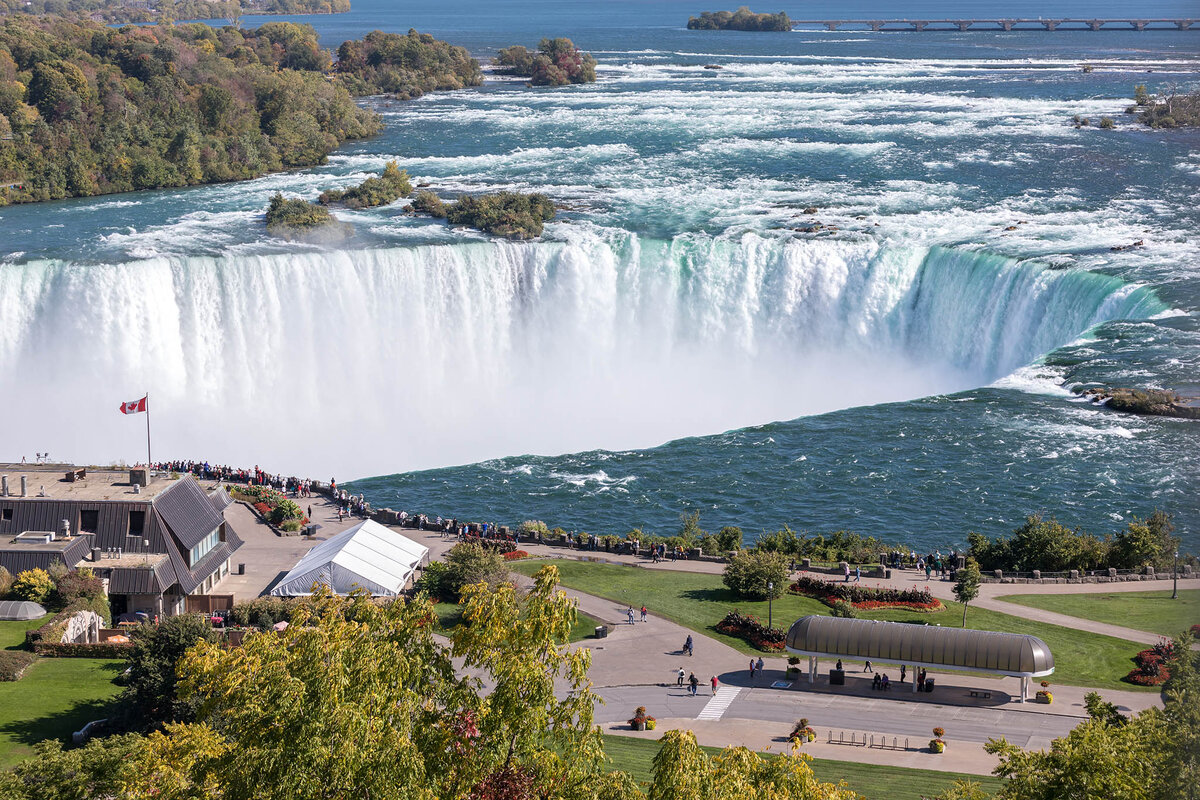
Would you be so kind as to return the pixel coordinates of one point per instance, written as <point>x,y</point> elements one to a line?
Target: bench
<point>980,693</point>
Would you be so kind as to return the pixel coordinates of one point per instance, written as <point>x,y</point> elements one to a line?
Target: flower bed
<point>273,506</point>
<point>865,597</point>
<point>750,629</point>
<point>514,555</point>
<point>1151,669</point>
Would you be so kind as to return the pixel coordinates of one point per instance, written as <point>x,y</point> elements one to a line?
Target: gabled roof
<point>367,555</point>
<point>1015,654</point>
<point>188,512</point>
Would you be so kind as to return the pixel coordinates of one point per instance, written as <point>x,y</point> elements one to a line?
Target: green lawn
<point>1155,612</point>
<point>872,781</point>
<point>449,616</point>
<point>699,601</point>
<point>56,696</point>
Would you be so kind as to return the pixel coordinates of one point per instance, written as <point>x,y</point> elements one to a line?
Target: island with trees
<point>1172,109</point>
<point>88,109</point>
<point>741,20</point>
<point>512,215</point>
<point>296,218</point>
<point>557,62</point>
<point>374,191</point>
<point>123,11</point>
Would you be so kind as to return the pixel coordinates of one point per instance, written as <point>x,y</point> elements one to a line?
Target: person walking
<point>903,669</point>
<point>752,668</point>
<point>846,571</point>
<point>857,574</point>
<point>714,682</point>
<point>694,682</point>
<point>928,570</point>
<point>629,614</point>
<point>688,646</point>
<point>867,667</point>
<point>643,613</point>
<point>682,673</point>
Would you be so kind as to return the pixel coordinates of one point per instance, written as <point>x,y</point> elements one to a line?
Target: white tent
<point>367,555</point>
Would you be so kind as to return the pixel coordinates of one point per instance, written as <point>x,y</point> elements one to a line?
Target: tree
<point>1144,543</point>
<point>98,769</point>
<point>150,700</point>
<point>469,563</point>
<point>33,585</point>
<point>966,585</point>
<point>749,574</point>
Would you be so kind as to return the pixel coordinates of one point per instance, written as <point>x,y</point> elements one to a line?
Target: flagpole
<point>148,462</point>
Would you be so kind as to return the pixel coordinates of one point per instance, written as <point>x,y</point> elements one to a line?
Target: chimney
<point>66,529</point>
<point>24,486</point>
<point>3,486</point>
<point>139,477</point>
<point>95,554</point>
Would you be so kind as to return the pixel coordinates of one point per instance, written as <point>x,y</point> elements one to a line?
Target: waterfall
<point>378,360</point>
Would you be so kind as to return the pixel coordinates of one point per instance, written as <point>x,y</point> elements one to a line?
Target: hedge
<point>13,664</point>
<point>80,650</point>
<point>865,597</point>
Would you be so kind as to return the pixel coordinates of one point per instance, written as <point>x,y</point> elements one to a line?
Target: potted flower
<point>1045,695</point>
<point>651,723</point>
<point>937,744</point>
<point>802,732</point>
<point>638,723</point>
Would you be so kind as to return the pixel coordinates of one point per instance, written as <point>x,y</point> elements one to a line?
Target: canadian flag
<point>133,406</point>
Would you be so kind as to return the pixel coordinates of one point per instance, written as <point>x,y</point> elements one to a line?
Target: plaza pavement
<point>637,665</point>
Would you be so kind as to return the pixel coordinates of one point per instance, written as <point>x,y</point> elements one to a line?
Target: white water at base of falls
<point>379,360</point>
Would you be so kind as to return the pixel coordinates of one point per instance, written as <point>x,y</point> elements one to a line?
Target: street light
<point>1175,576</point>
<point>770,597</point>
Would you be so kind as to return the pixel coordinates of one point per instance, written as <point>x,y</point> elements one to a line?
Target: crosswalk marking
<point>719,704</point>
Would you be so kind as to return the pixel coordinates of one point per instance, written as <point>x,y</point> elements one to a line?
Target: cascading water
<point>448,354</point>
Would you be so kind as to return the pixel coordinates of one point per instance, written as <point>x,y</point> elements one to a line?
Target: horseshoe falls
<point>830,280</point>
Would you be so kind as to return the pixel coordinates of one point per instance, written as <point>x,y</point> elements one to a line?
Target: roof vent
<point>39,537</point>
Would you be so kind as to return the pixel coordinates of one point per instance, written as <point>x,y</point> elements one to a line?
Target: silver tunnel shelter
<point>1012,654</point>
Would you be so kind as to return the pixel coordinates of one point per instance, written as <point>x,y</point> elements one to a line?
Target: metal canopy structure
<point>1013,654</point>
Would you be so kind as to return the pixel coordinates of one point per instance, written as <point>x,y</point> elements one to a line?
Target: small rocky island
<point>297,219</point>
<point>512,215</point>
<point>741,20</point>
<point>1150,402</point>
<point>389,187</point>
<point>557,62</point>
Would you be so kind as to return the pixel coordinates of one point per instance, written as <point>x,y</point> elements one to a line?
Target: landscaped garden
<point>54,697</point>
<point>873,781</point>
<point>701,601</point>
<point>1155,612</point>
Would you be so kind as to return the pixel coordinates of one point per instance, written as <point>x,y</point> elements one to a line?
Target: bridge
<point>1007,25</point>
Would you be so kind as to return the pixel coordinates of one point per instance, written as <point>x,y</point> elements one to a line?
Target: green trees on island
<point>92,109</point>
<point>293,217</point>
<point>387,188</point>
<point>171,10</point>
<point>1172,109</point>
<point>557,62</point>
<point>512,215</point>
<point>741,20</point>
<point>405,65</point>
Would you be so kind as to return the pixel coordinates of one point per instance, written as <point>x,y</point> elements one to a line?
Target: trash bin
<point>601,631</point>
<point>929,684</point>
<point>241,569</point>
<point>837,677</point>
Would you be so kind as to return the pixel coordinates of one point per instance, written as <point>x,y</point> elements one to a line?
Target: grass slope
<point>55,697</point>
<point>873,781</point>
<point>699,601</point>
<point>1155,612</point>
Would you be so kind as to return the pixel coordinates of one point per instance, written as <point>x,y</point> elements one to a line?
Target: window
<point>88,520</point>
<point>7,514</point>
<point>204,547</point>
<point>137,523</point>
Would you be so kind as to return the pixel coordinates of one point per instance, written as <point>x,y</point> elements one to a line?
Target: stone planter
<point>638,726</point>
<point>937,746</point>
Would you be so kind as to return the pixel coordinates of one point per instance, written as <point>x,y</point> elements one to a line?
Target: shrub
<point>840,608</point>
<point>864,597</point>
<point>468,563</point>
<point>6,582</point>
<point>533,527</point>
<point>748,574</point>
<point>434,580</point>
<point>13,664</point>
<point>75,586</point>
<point>750,629</point>
<point>1107,122</point>
<point>290,525</point>
<point>34,585</point>
<point>263,612</point>
<point>428,203</point>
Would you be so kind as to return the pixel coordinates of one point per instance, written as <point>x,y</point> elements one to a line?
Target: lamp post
<point>770,598</point>
<point>1175,576</point>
